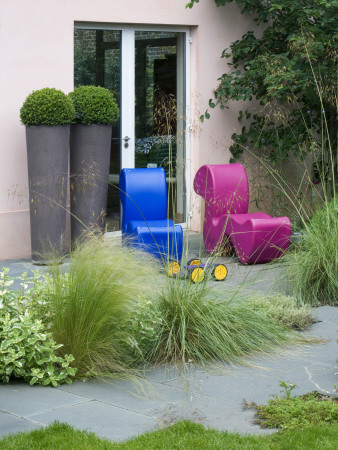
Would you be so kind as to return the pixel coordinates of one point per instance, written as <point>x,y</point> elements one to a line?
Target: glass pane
<point>159,110</point>
<point>97,61</point>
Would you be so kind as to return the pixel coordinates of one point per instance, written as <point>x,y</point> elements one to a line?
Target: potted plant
<point>47,114</point>
<point>90,143</point>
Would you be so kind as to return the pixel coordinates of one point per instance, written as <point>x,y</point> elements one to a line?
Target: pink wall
<point>36,51</point>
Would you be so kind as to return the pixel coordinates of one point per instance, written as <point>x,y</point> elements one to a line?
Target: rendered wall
<point>36,51</point>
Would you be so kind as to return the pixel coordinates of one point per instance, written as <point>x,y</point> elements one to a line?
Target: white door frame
<point>128,97</point>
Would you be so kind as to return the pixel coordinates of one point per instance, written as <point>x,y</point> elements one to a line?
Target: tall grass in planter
<point>90,146</point>
<point>90,305</point>
<point>47,114</point>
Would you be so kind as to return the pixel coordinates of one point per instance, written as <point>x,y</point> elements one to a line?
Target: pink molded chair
<point>256,237</point>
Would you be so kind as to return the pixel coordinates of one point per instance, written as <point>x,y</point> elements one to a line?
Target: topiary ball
<point>94,105</point>
<point>47,106</point>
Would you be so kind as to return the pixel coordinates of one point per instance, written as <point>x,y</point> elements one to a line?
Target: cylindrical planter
<point>89,173</point>
<point>47,155</point>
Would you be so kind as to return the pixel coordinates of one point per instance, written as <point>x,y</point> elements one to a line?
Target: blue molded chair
<point>143,194</point>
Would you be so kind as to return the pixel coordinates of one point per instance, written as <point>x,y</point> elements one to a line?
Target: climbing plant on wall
<point>288,64</point>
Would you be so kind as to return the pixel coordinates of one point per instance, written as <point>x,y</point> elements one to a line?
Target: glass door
<point>145,71</point>
<point>159,110</point>
<point>97,61</point>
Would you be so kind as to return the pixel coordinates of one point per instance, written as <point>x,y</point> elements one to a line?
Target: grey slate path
<point>257,277</point>
<point>118,411</point>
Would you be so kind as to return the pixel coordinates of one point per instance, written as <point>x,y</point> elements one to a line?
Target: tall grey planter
<point>89,173</point>
<point>47,155</point>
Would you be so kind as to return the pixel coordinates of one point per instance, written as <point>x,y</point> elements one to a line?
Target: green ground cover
<point>183,435</point>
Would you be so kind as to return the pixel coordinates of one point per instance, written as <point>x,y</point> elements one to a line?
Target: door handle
<point>126,139</point>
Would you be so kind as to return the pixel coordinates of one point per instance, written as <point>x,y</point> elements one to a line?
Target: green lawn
<point>182,435</point>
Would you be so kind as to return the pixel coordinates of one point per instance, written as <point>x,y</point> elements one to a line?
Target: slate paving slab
<point>10,424</point>
<point>23,400</point>
<point>144,399</point>
<point>169,372</point>
<point>233,388</point>
<point>213,412</point>
<point>105,420</point>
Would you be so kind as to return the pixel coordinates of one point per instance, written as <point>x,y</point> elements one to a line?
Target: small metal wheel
<point>197,275</point>
<point>194,262</point>
<point>220,272</point>
<point>173,269</point>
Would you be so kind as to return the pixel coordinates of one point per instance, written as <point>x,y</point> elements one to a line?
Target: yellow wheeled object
<point>194,262</point>
<point>196,271</point>
<point>219,272</point>
<point>197,275</point>
<point>173,269</point>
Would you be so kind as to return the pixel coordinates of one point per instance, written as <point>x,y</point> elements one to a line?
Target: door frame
<point>128,91</point>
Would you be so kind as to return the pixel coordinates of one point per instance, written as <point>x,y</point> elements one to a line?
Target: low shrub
<point>27,349</point>
<point>283,309</point>
<point>47,106</point>
<point>32,296</point>
<point>313,265</point>
<point>94,105</point>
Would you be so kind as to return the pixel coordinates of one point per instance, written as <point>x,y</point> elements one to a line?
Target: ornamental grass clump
<point>187,323</point>
<point>313,264</point>
<point>90,305</point>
